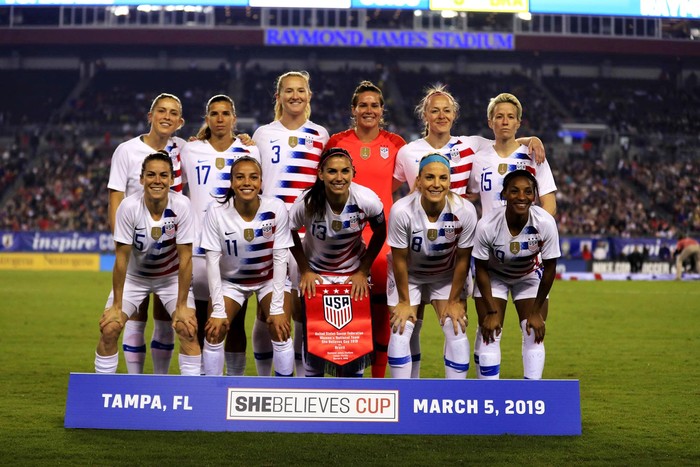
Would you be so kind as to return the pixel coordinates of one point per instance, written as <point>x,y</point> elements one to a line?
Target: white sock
<point>283,358</point>
<point>456,352</point>
<point>106,364</point>
<point>415,349</point>
<point>235,363</point>
<point>134,345</point>
<point>399,352</point>
<point>477,346</point>
<point>262,348</point>
<point>213,358</point>
<point>299,349</point>
<point>489,358</point>
<point>162,345</point>
<point>190,365</point>
<point>533,354</point>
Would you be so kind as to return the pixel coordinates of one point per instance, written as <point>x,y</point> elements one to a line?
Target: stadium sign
<point>56,242</point>
<point>323,405</point>
<point>299,37</point>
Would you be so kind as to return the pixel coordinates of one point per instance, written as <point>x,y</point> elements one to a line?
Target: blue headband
<point>433,158</point>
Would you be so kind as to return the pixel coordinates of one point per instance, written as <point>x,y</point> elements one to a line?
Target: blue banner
<point>323,405</point>
<point>56,242</point>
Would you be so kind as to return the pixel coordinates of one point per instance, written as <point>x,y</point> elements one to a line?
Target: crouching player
<point>430,234</point>
<point>246,239</point>
<point>153,239</point>
<point>507,245</point>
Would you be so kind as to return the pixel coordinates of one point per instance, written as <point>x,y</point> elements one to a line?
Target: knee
<point>111,332</point>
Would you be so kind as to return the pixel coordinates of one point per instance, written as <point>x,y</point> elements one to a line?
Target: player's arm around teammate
<point>246,238</point>
<point>508,242</point>
<point>430,233</point>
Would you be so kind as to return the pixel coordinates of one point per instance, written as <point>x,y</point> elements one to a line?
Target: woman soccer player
<point>290,148</point>
<point>153,236</point>
<point>430,234</point>
<point>246,238</point>
<point>165,118</point>
<point>507,247</point>
<point>334,212</point>
<point>374,151</point>
<point>206,167</point>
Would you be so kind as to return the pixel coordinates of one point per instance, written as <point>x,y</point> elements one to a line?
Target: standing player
<point>374,152</point>
<point>165,118</point>
<point>206,168</point>
<point>246,238</point>
<point>334,212</point>
<point>430,233</point>
<point>438,110</point>
<point>492,164</point>
<point>507,246</point>
<point>153,239</point>
<point>290,148</point>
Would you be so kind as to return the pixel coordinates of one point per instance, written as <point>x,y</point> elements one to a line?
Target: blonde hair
<point>501,99</point>
<point>278,89</point>
<point>165,95</point>
<point>204,132</point>
<point>437,89</point>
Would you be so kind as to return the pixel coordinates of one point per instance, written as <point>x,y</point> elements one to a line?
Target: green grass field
<point>634,346</point>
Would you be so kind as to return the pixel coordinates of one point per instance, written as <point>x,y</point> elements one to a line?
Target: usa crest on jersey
<point>384,152</point>
<point>169,228</point>
<point>449,232</point>
<point>454,154</point>
<point>353,222</point>
<point>337,310</point>
<point>309,143</point>
<point>533,244</point>
<point>267,230</point>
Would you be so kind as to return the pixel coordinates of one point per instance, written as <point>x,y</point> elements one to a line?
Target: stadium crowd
<point>56,182</point>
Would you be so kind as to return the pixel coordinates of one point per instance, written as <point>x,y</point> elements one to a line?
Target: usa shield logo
<point>169,228</point>
<point>384,152</point>
<point>309,143</point>
<point>337,310</point>
<point>454,154</point>
<point>267,230</point>
<point>353,222</point>
<point>449,232</point>
<point>533,244</point>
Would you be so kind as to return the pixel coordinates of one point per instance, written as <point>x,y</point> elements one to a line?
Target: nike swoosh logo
<point>140,228</point>
<point>230,233</point>
<point>201,162</point>
<point>273,141</point>
<point>417,231</point>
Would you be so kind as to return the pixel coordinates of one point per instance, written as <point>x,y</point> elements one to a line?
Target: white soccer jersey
<point>459,150</point>
<point>125,171</point>
<point>432,246</point>
<point>154,250</point>
<point>489,170</point>
<point>246,247</point>
<point>333,245</point>
<point>513,257</point>
<point>289,158</point>
<point>207,173</point>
